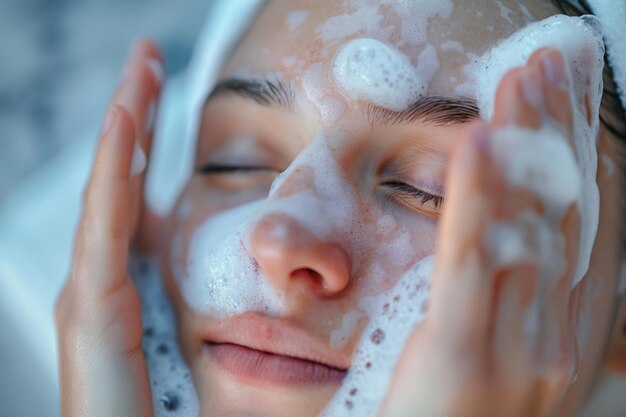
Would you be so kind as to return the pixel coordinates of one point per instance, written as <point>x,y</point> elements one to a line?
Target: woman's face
<point>356,208</point>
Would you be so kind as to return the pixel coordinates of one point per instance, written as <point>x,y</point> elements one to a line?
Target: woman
<point>378,175</point>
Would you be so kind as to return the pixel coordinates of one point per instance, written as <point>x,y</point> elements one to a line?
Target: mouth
<point>255,349</point>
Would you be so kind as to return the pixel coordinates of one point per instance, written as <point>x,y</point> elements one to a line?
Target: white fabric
<point>174,145</point>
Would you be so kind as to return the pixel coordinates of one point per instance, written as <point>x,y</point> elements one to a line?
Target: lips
<point>260,349</point>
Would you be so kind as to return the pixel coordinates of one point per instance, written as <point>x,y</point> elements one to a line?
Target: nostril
<point>310,275</point>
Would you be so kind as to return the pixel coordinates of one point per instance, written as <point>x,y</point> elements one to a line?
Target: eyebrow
<point>265,92</point>
<point>437,110</point>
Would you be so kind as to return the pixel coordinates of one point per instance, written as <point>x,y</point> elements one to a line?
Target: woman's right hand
<point>496,342</point>
<point>98,314</point>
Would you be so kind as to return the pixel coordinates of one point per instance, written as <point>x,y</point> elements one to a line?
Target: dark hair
<point>613,114</point>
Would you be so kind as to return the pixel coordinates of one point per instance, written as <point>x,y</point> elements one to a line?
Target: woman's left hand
<point>474,355</point>
<point>98,314</point>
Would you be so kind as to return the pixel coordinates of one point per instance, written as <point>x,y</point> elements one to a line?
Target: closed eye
<point>406,193</point>
<point>230,169</point>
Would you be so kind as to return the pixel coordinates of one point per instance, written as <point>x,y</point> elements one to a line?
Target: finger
<point>101,257</point>
<point>519,99</point>
<point>559,349</point>
<point>512,347</point>
<point>138,92</point>
<point>551,63</point>
<point>461,288</point>
<point>139,88</point>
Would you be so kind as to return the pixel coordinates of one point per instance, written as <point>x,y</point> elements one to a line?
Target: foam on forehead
<point>367,17</point>
<point>366,69</point>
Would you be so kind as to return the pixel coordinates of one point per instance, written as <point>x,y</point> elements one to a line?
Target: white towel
<point>175,141</point>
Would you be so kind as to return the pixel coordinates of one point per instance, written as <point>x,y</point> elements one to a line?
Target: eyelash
<point>399,189</point>
<point>228,169</point>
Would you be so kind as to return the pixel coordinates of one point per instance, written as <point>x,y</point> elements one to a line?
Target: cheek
<point>398,241</point>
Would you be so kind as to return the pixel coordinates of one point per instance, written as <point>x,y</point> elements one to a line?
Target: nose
<point>291,256</point>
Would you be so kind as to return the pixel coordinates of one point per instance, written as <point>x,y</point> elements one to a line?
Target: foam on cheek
<point>218,276</point>
<point>339,337</point>
<point>558,178</point>
<point>366,69</point>
<point>394,315</point>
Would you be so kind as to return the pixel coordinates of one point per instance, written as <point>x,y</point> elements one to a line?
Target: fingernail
<point>554,69</point>
<point>138,163</point>
<point>157,69</point>
<point>531,87</point>
<point>109,116</point>
<point>150,115</point>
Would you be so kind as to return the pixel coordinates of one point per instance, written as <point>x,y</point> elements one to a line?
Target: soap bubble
<point>377,336</point>
<point>170,401</point>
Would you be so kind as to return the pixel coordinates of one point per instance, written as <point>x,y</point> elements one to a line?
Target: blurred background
<point>59,63</point>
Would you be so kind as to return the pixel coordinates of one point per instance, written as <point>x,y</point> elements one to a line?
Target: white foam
<point>173,392</point>
<point>368,18</point>
<point>529,238</point>
<point>366,69</point>
<point>295,19</point>
<point>541,161</point>
<point>364,18</point>
<point>331,109</point>
<point>393,317</point>
<point>572,35</point>
<point>339,337</point>
<point>505,12</point>
<point>289,61</point>
<point>218,276</point>
<point>414,16</point>
<point>448,46</point>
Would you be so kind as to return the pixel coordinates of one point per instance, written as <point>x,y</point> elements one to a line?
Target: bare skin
<point>99,317</point>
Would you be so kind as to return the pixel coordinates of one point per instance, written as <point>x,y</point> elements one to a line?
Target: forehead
<point>289,36</point>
